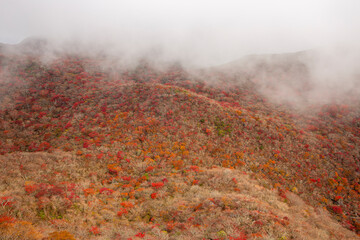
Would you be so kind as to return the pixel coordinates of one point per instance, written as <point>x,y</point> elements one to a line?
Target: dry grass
<point>225,202</point>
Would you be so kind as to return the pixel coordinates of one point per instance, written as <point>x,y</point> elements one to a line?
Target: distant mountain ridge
<point>31,45</point>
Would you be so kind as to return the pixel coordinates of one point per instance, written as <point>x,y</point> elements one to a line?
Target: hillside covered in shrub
<point>95,151</point>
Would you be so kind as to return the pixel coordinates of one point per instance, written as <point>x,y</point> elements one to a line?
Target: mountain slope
<point>167,155</point>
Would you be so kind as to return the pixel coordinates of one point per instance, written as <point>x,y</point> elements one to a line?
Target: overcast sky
<point>207,32</point>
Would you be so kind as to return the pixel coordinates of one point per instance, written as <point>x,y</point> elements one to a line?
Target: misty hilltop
<point>29,46</point>
<point>318,76</point>
<point>300,78</point>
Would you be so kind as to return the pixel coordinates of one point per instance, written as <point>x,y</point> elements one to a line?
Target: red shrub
<point>107,190</point>
<point>157,185</point>
<point>337,209</point>
<point>122,211</point>
<point>140,235</point>
<point>153,195</point>
<point>94,230</point>
<point>6,219</point>
<point>5,201</point>
<point>149,169</point>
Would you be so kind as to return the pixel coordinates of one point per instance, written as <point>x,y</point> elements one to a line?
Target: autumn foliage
<point>164,154</point>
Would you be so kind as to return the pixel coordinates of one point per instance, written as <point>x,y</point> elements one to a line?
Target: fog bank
<point>199,33</point>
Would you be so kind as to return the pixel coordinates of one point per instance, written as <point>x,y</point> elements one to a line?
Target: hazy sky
<point>207,32</point>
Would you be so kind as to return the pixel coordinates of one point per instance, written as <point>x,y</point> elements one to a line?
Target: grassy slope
<point>133,156</point>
